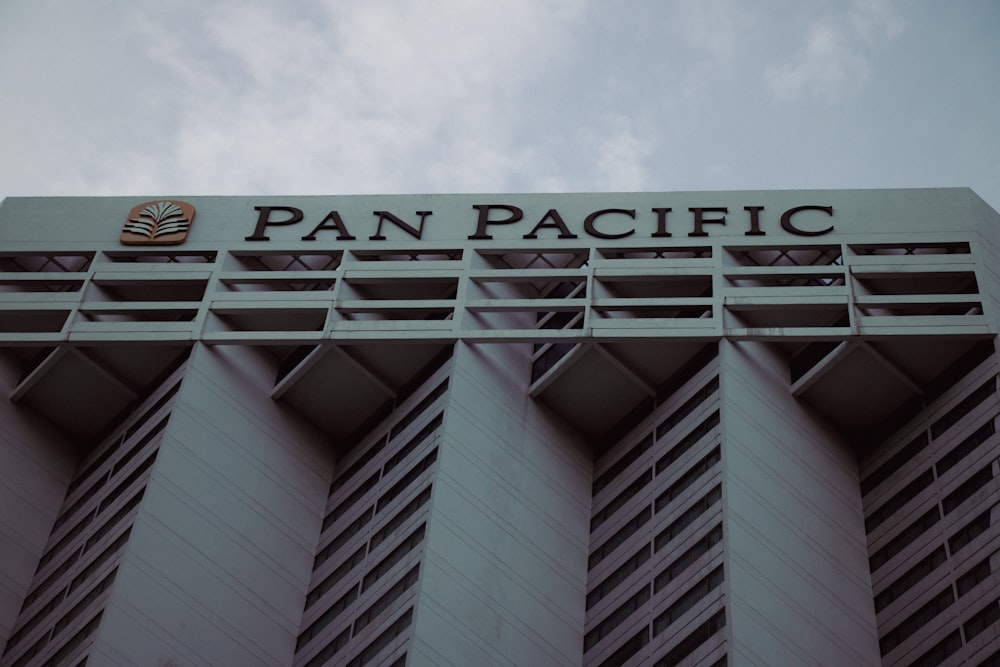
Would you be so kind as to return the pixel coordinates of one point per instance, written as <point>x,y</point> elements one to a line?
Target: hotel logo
<point>158,222</point>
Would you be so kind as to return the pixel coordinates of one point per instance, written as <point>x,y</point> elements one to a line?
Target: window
<point>967,405</point>
<point>331,649</point>
<point>983,619</point>
<point>689,516</point>
<point>419,409</point>
<point>618,576</point>
<point>406,480</point>
<point>327,617</point>
<point>621,464</point>
<point>898,501</point>
<point>616,618</point>
<point>331,580</point>
<point>689,440</point>
<point>355,467</point>
<point>688,478</point>
<point>347,503</point>
<point>969,532</point>
<point>908,535</point>
<point>390,596</point>
<point>383,640</point>
<point>397,554</point>
<point>621,499</point>
<point>620,537</point>
<point>910,578</point>
<point>700,548</point>
<point>937,654</point>
<point>689,406</point>
<point>74,643</point>
<point>965,448</point>
<point>395,522</point>
<point>345,535</point>
<point>685,602</point>
<point>628,649</point>
<point>895,462</point>
<point>916,620</point>
<point>414,442</point>
<point>699,636</point>
<point>979,573</point>
<point>967,489</point>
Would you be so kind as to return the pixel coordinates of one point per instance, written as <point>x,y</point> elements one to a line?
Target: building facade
<point>725,428</point>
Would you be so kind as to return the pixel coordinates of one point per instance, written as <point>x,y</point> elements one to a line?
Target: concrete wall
<point>505,571</point>
<point>219,561</point>
<point>36,467</point>
<point>800,589</point>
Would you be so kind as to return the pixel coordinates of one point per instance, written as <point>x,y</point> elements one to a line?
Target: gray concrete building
<point>716,428</point>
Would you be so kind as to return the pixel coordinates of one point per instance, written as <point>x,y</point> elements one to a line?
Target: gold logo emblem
<point>158,222</point>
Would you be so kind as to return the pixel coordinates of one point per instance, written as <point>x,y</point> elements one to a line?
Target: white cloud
<point>827,68</point>
<point>368,97</point>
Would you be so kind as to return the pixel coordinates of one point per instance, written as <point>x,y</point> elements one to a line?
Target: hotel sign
<point>607,224</point>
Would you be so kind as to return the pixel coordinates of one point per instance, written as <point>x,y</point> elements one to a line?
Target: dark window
<point>688,478</point>
<point>94,566</point>
<point>52,578</point>
<point>74,643</point>
<point>898,501</point>
<point>916,620</point>
<point>965,448</point>
<point>620,537</point>
<point>940,651</point>
<point>910,579</point>
<point>901,541</point>
<point>967,405</point>
<point>689,441</point>
<point>619,466</point>
<point>81,501</point>
<point>84,602</point>
<point>406,480</point>
<point>419,409</point>
<point>395,522</point>
<point>685,602</point>
<point>355,467</point>
<point>345,535</point>
<point>331,649</point>
<point>700,548</point>
<point>70,535</point>
<point>390,596</point>
<point>628,649</point>
<point>97,463</point>
<point>397,554</point>
<point>895,462</point>
<point>327,617</point>
<point>383,640</point>
<point>983,619</point>
<point>616,618</point>
<point>689,406</point>
<point>969,532</point>
<point>113,522</point>
<point>414,442</point>
<point>618,576</point>
<point>127,482</point>
<point>698,636</point>
<point>689,516</point>
<point>334,577</point>
<point>967,489</point>
<point>39,616</point>
<point>621,499</point>
<point>347,503</point>
<point>979,573</point>
<point>139,446</point>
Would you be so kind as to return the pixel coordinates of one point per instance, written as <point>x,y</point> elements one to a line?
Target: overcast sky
<point>185,97</point>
